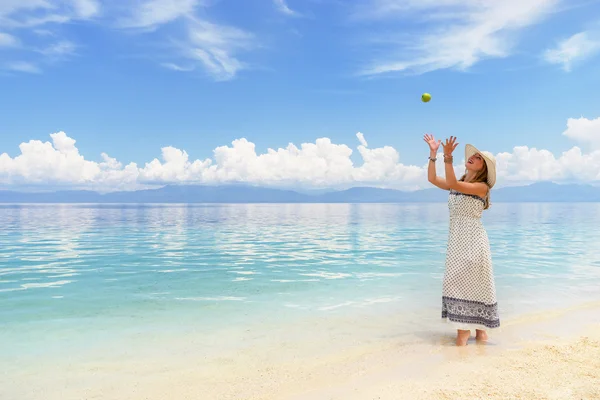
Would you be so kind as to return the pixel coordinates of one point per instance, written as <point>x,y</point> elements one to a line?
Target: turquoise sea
<point>87,282</point>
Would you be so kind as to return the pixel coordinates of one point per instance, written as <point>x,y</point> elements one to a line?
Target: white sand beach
<point>550,355</point>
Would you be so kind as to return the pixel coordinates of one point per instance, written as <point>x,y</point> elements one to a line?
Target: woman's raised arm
<point>431,174</point>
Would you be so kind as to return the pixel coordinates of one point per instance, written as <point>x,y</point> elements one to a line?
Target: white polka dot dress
<point>469,293</point>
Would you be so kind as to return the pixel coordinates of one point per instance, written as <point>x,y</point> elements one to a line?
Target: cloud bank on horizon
<point>321,164</point>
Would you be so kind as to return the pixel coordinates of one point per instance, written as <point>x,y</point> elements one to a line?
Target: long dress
<point>469,293</point>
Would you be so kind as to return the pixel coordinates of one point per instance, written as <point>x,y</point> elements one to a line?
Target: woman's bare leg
<point>462,337</point>
<point>481,335</point>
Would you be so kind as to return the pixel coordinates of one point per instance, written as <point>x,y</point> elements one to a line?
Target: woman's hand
<point>433,144</point>
<point>449,146</point>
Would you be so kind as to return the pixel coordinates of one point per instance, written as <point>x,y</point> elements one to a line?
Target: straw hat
<point>490,162</point>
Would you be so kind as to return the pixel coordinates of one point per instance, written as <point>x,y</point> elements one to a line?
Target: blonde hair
<point>481,176</point>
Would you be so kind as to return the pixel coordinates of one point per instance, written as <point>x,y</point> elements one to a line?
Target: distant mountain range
<point>538,192</point>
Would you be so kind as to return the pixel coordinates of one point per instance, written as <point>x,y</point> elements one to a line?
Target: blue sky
<point>133,78</point>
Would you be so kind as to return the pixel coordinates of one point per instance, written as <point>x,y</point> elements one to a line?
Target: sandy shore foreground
<point>549,355</point>
<point>546,356</point>
<point>559,370</point>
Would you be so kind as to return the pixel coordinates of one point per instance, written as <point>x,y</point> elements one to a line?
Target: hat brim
<point>489,162</point>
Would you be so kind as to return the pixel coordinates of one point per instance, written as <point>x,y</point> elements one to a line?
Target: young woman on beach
<point>469,293</point>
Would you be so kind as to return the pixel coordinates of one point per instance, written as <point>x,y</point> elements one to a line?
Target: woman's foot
<point>462,337</point>
<point>481,335</point>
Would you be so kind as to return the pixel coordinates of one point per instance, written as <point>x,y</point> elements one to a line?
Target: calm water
<point>78,276</point>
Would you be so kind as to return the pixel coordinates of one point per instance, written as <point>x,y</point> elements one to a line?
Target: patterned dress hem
<point>469,326</point>
<point>470,323</point>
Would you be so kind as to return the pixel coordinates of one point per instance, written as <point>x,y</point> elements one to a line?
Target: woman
<point>469,293</point>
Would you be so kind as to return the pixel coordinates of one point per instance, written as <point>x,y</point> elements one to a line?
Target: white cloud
<point>44,32</point>
<point>152,13</point>
<point>9,8</point>
<point>7,40</point>
<point>86,8</point>
<point>585,131</point>
<point>18,16</point>
<point>322,164</point>
<point>176,67</point>
<point>361,139</point>
<point>577,48</point>
<point>59,49</point>
<point>193,43</point>
<point>22,66</point>
<point>528,165</point>
<point>175,167</point>
<point>33,13</point>
<point>59,162</point>
<point>450,33</point>
<point>204,45</point>
<point>214,48</point>
<point>283,8</point>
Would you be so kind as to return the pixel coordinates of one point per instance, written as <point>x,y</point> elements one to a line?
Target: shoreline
<point>517,362</point>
